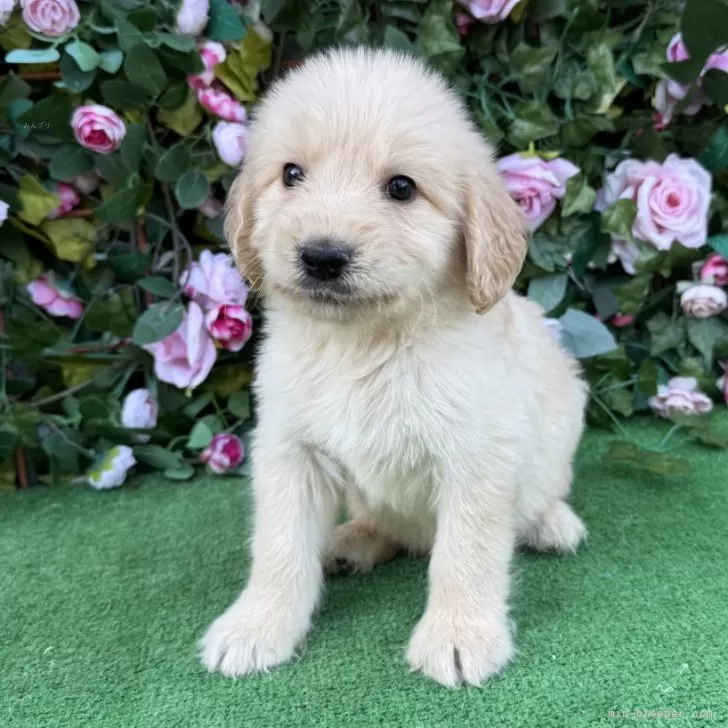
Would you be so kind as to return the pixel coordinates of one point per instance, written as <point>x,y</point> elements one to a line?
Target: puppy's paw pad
<point>453,654</point>
<point>560,529</point>
<point>235,646</point>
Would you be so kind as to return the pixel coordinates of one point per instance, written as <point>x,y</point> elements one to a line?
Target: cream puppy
<point>397,367</point>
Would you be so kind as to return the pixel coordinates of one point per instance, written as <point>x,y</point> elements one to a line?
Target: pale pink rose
<point>231,142</point>
<point>4,207</point>
<point>192,16</point>
<point>185,357</point>
<point>621,320</point>
<point>702,300</point>
<point>139,410</point>
<point>224,453</point>
<point>214,281</point>
<point>69,199</point>
<point>211,53</point>
<point>489,11</point>
<point>714,270</point>
<point>680,395</point>
<point>722,383</point>
<point>230,326</point>
<point>98,128</point>
<point>464,23</point>
<point>6,10</point>
<point>211,207</point>
<point>672,200</point>
<point>54,297</point>
<point>86,183</point>
<point>535,184</point>
<point>220,103</point>
<point>626,252</point>
<point>51,18</point>
<point>717,61</point>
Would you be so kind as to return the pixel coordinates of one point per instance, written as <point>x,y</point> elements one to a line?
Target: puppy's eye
<point>292,175</point>
<point>401,188</point>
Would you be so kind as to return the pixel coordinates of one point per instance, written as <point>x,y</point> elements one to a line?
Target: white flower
<point>6,10</point>
<point>139,411</point>
<point>192,16</point>
<point>701,300</point>
<point>231,141</point>
<point>111,471</point>
<point>4,207</point>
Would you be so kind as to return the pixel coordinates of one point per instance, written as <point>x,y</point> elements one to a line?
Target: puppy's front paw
<point>451,650</point>
<point>247,639</point>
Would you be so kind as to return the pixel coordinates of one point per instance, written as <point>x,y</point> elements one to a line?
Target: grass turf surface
<point>103,596</point>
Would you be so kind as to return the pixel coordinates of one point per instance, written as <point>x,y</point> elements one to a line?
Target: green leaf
<point>72,239</point>
<point>115,313</point>
<point>133,146</point>
<point>157,322</point>
<point>703,26</point>
<point>705,334</point>
<point>12,88</point>
<point>21,56</point>
<point>175,95</point>
<point>192,189</point>
<point>119,207</point>
<point>715,156</point>
<point>159,457</point>
<point>184,119</point>
<point>183,473</point>
<point>158,286</point>
<point>129,35</point>
<point>654,462</point>
<point>74,79</point>
<point>437,37</point>
<point>633,294</point>
<point>579,198</point>
<point>180,43</point>
<point>395,38</point>
<point>173,163</point>
<point>111,60</point>
<point>129,267</point>
<point>715,85</point>
<point>648,378</point>
<point>719,243</point>
<point>36,202</point>
<point>224,24</point>
<point>84,55</point>
<point>200,437</point>
<point>125,96</point>
<point>601,63</point>
<point>711,439</point>
<point>549,291</point>
<point>619,219</point>
<point>533,121</point>
<point>111,168</point>
<point>584,336</point>
<point>69,161</point>
<point>532,66</point>
<point>665,333</point>
<point>143,69</point>
<point>198,404</point>
<point>239,405</point>
<point>579,132</point>
<point>240,70</point>
<point>51,115</point>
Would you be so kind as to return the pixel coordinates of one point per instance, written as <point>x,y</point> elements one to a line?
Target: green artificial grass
<point>104,595</point>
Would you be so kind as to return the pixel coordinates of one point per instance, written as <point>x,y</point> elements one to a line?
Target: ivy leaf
<point>224,24</point>
<point>533,121</point>
<point>705,334</point>
<point>157,323</point>
<point>584,336</point>
<point>84,55</point>
<point>69,161</point>
<point>240,70</point>
<point>73,239</point>
<point>192,189</point>
<point>532,66</point>
<point>665,333</point>
<point>579,198</point>
<point>36,202</point>
<point>549,291</point>
<point>438,38</point>
<point>619,219</point>
<point>184,119</point>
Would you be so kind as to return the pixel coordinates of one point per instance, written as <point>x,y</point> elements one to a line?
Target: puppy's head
<point>366,186</point>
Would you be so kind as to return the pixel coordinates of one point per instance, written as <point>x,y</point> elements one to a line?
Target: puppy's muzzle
<point>324,260</point>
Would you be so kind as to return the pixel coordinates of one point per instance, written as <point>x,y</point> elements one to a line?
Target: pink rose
<point>214,281</point>
<point>536,184</point>
<point>464,23</point>
<point>211,207</point>
<point>86,183</point>
<point>98,128</point>
<point>230,326</point>
<point>192,16</point>
<point>211,53</point>
<point>54,298</point>
<point>489,11</point>
<point>621,320</point>
<point>680,395</point>
<point>672,199</point>
<point>224,453</point>
<point>717,61</point>
<point>701,300</point>
<point>51,18</point>
<point>220,103</point>
<point>4,207</point>
<point>69,199</point>
<point>714,270</point>
<point>186,356</point>
<point>139,410</point>
<point>231,142</point>
<point>722,383</point>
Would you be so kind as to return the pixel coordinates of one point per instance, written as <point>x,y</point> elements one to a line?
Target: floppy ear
<point>239,225</point>
<point>494,232</point>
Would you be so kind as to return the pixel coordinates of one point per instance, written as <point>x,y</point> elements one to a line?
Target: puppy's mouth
<point>341,296</point>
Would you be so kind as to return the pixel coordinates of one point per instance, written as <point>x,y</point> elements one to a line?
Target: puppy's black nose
<point>324,259</point>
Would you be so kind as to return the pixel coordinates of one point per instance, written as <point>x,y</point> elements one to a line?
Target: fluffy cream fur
<point>449,433</point>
